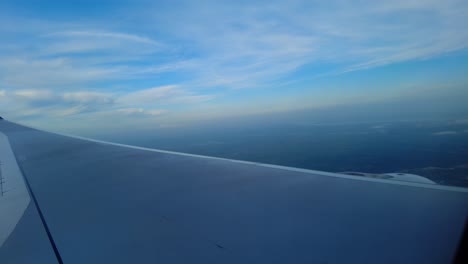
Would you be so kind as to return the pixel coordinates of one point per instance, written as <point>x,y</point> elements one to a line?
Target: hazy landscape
<point>436,148</point>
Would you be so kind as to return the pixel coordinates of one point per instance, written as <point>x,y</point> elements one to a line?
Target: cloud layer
<point>29,103</point>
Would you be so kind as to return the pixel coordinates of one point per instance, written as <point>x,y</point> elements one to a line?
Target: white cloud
<point>33,103</point>
<point>21,73</point>
<point>32,94</point>
<point>69,111</point>
<point>140,112</point>
<point>152,94</point>
<point>89,97</point>
<point>169,94</point>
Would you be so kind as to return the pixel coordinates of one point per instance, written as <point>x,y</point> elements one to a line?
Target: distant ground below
<point>437,150</point>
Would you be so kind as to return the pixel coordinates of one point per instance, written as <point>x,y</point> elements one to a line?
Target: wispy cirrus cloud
<point>72,58</point>
<point>88,97</point>
<point>247,45</point>
<point>164,95</point>
<point>105,35</point>
<point>22,72</point>
<point>140,112</point>
<point>100,44</point>
<point>29,103</point>
<point>239,45</point>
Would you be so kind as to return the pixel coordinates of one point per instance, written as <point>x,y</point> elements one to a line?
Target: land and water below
<point>435,149</point>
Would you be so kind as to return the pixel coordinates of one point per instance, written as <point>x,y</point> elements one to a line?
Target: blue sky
<point>79,65</point>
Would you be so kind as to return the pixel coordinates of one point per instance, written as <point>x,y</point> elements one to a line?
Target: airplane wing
<point>70,200</point>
